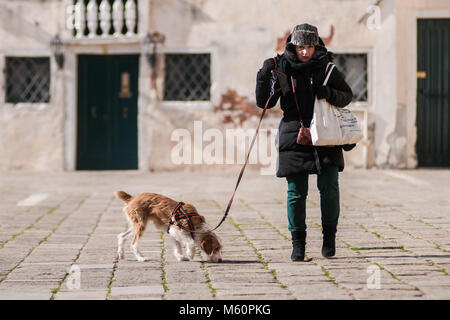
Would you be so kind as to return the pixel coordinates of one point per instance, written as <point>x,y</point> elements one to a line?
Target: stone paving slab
<point>82,295</point>
<point>392,229</point>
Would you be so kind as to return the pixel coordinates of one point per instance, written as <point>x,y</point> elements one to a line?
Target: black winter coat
<point>294,158</point>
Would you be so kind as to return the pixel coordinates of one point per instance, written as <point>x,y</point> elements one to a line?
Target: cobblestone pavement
<point>58,238</point>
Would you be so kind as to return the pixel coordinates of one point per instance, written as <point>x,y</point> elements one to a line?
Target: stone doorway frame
<point>411,75</point>
<point>76,48</point>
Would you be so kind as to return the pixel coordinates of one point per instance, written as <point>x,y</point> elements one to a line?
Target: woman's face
<point>304,53</point>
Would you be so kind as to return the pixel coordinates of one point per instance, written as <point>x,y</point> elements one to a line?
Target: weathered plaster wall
<point>34,142</point>
<point>31,135</point>
<point>385,99</point>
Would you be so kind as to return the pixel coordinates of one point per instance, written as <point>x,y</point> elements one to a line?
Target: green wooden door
<point>107,112</point>
<point>433,96</point>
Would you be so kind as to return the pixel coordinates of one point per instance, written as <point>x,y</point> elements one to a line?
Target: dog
<point>145,207</point>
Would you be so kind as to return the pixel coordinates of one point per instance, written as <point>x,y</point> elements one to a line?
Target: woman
<point>302,69</point>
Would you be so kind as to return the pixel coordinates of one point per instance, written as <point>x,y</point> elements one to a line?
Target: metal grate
<point>27,79</point>
<point>187,77</point>
<point>354,68</point>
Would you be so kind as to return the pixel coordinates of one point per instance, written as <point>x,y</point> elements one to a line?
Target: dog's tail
<point>123,195</point>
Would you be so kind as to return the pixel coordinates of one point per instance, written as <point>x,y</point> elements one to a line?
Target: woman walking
<point>302,69</point>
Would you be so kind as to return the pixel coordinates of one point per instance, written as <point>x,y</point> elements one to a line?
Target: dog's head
<point>212,247</point>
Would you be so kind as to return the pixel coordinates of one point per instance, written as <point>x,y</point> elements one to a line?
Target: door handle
<point>125,112</point>
<point>125,90</point>
<point>94,112</point>
<point>421,74</point>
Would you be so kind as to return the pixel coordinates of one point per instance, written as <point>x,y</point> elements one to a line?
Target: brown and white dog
<point>145,207</point>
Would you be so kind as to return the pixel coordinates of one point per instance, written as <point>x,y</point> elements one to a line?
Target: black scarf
<point>318,60</point>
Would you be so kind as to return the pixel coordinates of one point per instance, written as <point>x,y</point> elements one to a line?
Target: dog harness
<point>179,213</point>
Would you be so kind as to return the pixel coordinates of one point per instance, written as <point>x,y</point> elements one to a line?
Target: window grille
<point>187,77</point>
<point>27,79</point>
<point>354,69</point>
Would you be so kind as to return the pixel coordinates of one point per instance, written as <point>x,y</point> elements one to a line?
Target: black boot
<point>298,245</point>
<point>329,241</point>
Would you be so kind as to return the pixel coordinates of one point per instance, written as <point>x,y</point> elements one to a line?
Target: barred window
<point>354,68</point>
<point>27,79</point>
<point>187,77</point>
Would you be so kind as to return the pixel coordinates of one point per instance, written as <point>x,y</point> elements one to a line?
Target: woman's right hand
<point>268,66</point>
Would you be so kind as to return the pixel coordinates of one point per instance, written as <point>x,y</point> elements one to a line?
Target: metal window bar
<point>187,77</point>
<point>27,79</point>
<point>354,69</point>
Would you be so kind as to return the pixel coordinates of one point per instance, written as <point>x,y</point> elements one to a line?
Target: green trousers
<point>328,185</point>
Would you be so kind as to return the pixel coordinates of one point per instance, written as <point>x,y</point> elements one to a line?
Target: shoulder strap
<point>328,71</point>
<point>296,102</point>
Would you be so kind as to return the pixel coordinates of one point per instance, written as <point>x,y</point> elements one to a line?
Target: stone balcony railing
<point>96,19</point>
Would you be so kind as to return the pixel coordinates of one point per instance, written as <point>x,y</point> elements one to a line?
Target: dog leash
<point>227,210</point>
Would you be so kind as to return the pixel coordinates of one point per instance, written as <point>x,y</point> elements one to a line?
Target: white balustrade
<point>94,15</point>
<point>118,17</point>
<point>92,18</point>
<point>105,17</point>
<point>130,16</point>
<point>79,18</point>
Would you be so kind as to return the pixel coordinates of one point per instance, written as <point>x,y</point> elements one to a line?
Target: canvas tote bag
<point>332,126</point>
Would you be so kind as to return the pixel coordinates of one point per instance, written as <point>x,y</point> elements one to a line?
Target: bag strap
<point>331,66</point>
<point>296,102</point>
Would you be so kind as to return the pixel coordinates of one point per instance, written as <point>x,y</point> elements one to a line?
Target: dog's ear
<point>218,245</point>
<point>207,245</point>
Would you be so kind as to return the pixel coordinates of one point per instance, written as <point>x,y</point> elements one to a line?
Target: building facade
<point>169,84</point>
